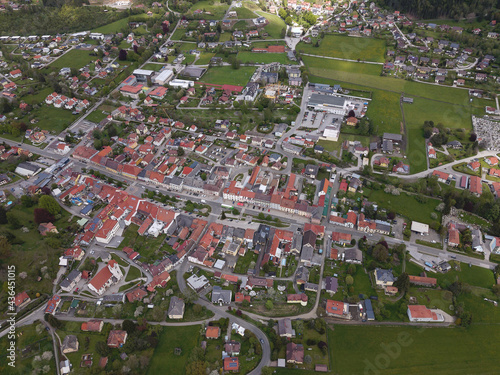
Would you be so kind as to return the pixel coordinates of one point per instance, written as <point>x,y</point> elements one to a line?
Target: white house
<point>110,274</point>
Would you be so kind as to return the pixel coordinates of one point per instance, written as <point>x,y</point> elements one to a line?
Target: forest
<point>55,17</point>
<point>456,9</point>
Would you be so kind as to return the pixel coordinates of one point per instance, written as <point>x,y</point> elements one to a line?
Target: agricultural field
<point>266,58</point>
<point>185,338</point>
<point>221,75</point>
<point>73,59</point>
<point>214,10</point>
<point>345,47</point>
<point>276,25</point>
<point>413,350</point>
<point>245,13</point>
<point>404,204</point>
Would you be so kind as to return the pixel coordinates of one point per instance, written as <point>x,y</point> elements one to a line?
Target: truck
<point>203,201</point>
<point>223,205</point>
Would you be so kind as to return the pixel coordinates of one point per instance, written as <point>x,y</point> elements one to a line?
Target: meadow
<point>275,26</point>
<point>221,75</point>
<point>73,59</point>
<point>346,47</point>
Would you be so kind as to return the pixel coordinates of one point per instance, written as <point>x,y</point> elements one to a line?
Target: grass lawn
<point>266,58</point>
<point>476,276</point>
<point>482,311</point>
<point>146,246</point>
<point>179,33</point>
<point>217,10</point>
<point>155,67</point>
<point>113,27</point>
<point>205,58</point>
<point>244,261</point>
<point>38,97</point>
<point>133,273</point>
<point>244,13</point>
<point>35,345</point>
<point>73,59</point>
<point>404,204</point>
<point>362,284</point>
<point>416,151</point>
<point>96,116</point>
<point>345,47</point>
<point>275,26</point>
<point>368,76</point>
<point>413,350</point>
<point>384,111</point>
<point>185,338</point>
<point>226,75</point>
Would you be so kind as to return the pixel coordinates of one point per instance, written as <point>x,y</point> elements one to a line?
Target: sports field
<point>413,350</point>
<point>221,75</point>
<point>346,47</point>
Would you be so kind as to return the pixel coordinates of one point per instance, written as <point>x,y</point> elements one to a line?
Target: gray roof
<point>176,306</point>
<point>285,327</point>
<point>329,100</point>
<point>331,284</point>
<point>29,167</point>
<point>393,137</point>
<point>70,342</point>
<point>384,275</point>
<point>220,295</point>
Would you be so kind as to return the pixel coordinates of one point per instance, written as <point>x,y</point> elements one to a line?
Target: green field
<point>205,58</point>
<point>179,33</point>
<point>266,58</point>
<point>275,26</point>
<point>73,59</point>
<point>413,350</point>
<point>38,97</point>
<point>368,76</point>
<point>52,119</point>
<point>345,47</point>
<point>164,358</point>
<point>221,75</point>
<point>113,27</point>
<point>476,276</point>
<point>244,13</point>
<point>404,204</point>
<point>217,10</point>
<point>153,66</point>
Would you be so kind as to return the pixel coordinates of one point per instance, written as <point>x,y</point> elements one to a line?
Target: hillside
<point>429,9</point>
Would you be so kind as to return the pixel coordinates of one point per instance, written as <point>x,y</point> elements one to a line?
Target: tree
<point>27,201</point>
<point>4,247</point>
<point>13,220</point>
<point>129,326</point>
<point>307,359</point>
<point>380,253</point>
<point>53,321</point>
<point>50,204</point>
<point>349,280</point>
<point>180,152</point>
<point>403,282</point>
<point>122,55</point>
<point>3,216</point>
<point>43,216</point>
<point>102,348</point>
<point>269,304</point>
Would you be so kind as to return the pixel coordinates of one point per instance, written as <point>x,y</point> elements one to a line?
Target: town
<point>250,187</point>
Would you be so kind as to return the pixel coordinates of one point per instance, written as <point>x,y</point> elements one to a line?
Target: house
<point>69,282</point>
<point>45,228</point>
<point>285,328</point>
<point>294,353</point>
<point>354,256</point>
<point>475,186</point>
<point>423,281</point>
<point>221,296</point>
<point>52,304</point>
<point>22,300</point>
<point>70,344</point>
<point>231,364</point>
<point>383,277</point>
<point>420,313</point>
<point>453,235</point>
<point>331,285</point>
<point>117,338</point>
<point>176,308</point>
<point>92,326</point>
<point>337,309</point>
<point>212,332</point>
<point>232,348</point>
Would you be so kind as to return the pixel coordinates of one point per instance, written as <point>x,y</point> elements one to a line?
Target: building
<point>221,296</point>
<point>337,309</point>
<point>420,313</point>
<point>107,231</point>
<point>27,169</point>
<point>231,364</point>
<point>108,275</point>
<point>117,338</point>
<point>232,348</point>
<point>92,326</point>
<point>164,76</point>
<point>22,300</point>
<point>419,228</point>
<point>285,328</point>
<point>294,353</point>
<point>383,277</point>
<point>176,308</point>
<point>69,282</point>
<point>212,332</point>
<point>328,103</point>
<point>52,304</point>
<point>423,281</point>
<point>70,344</point>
